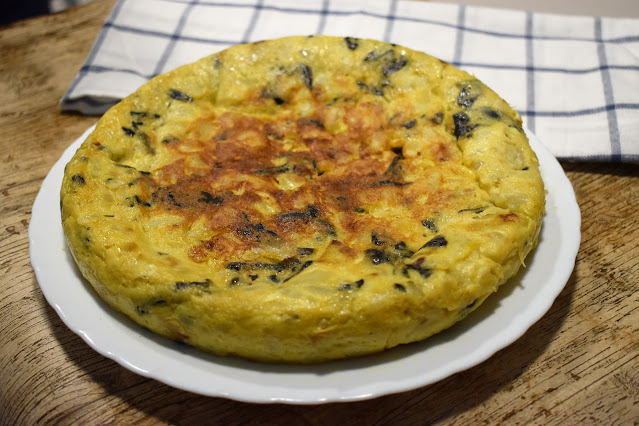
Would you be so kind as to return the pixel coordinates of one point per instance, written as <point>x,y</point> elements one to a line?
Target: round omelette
<point>303,199</point>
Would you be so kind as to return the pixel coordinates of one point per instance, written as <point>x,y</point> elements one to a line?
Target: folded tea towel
<point>573,79</point>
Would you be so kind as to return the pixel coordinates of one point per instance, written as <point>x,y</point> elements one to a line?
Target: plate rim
<point>549,167</point>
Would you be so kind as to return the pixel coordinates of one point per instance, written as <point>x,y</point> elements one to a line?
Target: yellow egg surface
<point>303,199</point>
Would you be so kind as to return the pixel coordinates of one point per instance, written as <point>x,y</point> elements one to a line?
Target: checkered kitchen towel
<point>574,79</point>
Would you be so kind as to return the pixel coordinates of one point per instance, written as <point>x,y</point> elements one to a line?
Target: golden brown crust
<point>303,199</point>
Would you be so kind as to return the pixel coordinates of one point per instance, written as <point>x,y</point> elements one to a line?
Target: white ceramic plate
<point>502,319</point>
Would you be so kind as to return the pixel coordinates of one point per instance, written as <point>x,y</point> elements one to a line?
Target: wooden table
<point>579,363</point>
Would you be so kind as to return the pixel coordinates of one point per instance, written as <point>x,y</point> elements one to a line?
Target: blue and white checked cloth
<point>574,79</point>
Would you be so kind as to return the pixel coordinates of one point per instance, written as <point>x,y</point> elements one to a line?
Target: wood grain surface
<point>578,365</point>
